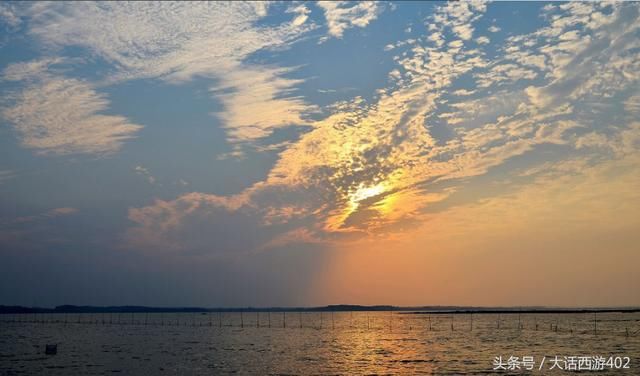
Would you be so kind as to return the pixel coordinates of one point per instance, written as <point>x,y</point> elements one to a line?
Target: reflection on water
<point>306,343</point>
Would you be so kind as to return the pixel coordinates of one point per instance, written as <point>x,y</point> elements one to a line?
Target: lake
<point>314,343</point>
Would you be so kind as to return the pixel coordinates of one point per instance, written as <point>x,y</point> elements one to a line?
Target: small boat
<point>51,349</point>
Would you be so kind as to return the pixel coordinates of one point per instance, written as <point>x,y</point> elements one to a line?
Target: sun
<point>363,192</point>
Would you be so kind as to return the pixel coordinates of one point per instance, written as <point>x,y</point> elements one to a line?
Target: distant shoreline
<point>423,310</point>
<point>511,311</point>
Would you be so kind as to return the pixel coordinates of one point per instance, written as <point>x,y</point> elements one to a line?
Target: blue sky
<point>295,153</point>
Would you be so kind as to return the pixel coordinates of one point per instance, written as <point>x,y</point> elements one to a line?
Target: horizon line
<point>71,308</point>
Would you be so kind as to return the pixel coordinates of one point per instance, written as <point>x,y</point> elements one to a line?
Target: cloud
<point>9,15</point>
<point>364,148</point>
<point>386,147</point>
<point>632,105</point>
<point>33,231</point>
<point>143,171</point>
<point>31,70</point>
<point>501,73</point>
<point>53,213</point>
<point>172,41</point>
<point>465,148</point>
<point>571,213</point>
<point>379,168</point>
<point>483,40</point>
<point>459,17</point>
<point>177,42</point>
<point>6,175</point>
<point>259,100</point>
<point>296,236</point>
<point>594,60</point>
<point>195,222</point>
<point>343,15</point>
<point>591,140</point>
<point>218,225</point>
<point>302,14</point>
<point>57,115</point>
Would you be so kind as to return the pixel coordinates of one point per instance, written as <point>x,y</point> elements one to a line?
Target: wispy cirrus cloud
<point>260,100</point>
<point>9,15</point>
<point>53,213</point>
<point>178,42</point>
<point>59,115</point>
<point>173,42</point>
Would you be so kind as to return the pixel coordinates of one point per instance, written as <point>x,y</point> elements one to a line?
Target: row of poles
<point>117,320</point>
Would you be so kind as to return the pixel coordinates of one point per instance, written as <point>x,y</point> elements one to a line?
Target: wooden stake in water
<point>241,320</point>
<point>300,318</point>
<point>269,317</point>
<point>595,323</point>
<point>471,323</point>
<point>333,324</point>
<point>429,322</point>
<point>320,319</point>
<point>284,319</point>
<point>452,322</point>
<point>257,319</point>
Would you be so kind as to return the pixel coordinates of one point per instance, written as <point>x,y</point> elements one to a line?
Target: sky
<point>302,154</point>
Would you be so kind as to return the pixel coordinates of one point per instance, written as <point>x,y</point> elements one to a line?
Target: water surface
<point>309,343</point>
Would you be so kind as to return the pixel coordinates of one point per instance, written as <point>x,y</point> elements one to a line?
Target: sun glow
<point>336,221</point>
<point>363,193</point>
